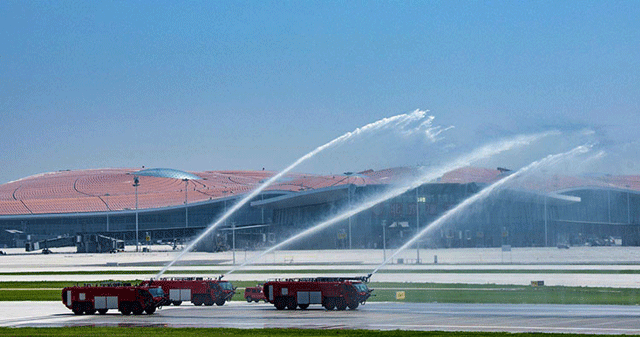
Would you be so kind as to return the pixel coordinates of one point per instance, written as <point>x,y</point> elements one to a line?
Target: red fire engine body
<point>88,299</point>
<point>195,289</point>
<point>331,292</point>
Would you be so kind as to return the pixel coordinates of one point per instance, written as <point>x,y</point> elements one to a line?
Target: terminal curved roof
<point>103,190</point>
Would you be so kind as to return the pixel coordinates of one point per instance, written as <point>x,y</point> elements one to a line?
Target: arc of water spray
<point>401,120</point>
<point>484,193</point>
<point>483,152</point>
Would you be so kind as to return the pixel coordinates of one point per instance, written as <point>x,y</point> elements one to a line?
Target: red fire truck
<point>198,290</point>
<point>330,292</point>
<point>126,298</point>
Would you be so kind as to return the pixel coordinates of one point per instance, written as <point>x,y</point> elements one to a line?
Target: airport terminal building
<point>166,206</point>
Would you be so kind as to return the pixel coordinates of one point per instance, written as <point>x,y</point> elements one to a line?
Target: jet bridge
<point>87,243</point>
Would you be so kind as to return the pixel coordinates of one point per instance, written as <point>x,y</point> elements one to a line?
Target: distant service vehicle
<point>330,292</point>
<point>198,290</point>
<point>254,294</point>
<point>124,297</point>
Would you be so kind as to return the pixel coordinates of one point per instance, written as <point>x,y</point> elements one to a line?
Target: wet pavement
<point>587,319</point>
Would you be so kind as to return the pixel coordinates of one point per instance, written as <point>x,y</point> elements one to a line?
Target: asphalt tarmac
<point>584,319</point>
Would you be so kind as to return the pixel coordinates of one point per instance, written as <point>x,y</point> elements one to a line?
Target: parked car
<point>254,294</point>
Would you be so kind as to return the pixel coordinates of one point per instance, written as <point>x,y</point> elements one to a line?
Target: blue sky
<point>245,85</point>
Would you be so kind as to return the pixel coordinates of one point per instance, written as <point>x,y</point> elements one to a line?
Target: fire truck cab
<point>330,292</point>
<point>198,290</point>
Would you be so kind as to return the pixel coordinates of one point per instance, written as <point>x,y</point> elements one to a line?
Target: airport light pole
<point>384,241</point>
<point>348,174</point>
<point>108,209</point>
<point>186,207</point>
<point>136,183</point>
<point>417,227</point>
<point>546,241</point>
<point>349,192</point>
<point>233,230</point>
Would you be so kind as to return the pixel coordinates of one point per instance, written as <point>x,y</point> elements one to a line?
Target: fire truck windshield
<point>226,286</point>
<point>156,292</point>
<point>361,287</point>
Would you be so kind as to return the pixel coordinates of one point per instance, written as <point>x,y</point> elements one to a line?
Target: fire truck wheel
<point>197,300</point>
<point>176,303</point>
<point>125,309</point>
<point>291,303</point>
<point>77,308</point>
<point>354,305</point>
<point>341,304</point>
<point>220,302</point>
<point>280,303</point>
<point>303,306</point>
<point>102,311</point>
<point>90,311</point>
<point>329,303</point>
<point>249,299</point>
<point>150,310</point>
<point>208,301</point>
<point>137,309</point>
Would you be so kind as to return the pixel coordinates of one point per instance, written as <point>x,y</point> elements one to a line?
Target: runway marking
<point>15,322</point>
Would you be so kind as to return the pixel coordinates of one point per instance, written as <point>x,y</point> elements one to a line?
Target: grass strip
<point>216,272</point>
<point>189,332</point>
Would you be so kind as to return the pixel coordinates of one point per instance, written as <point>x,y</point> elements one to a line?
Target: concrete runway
<point>584,319</point>
<point>588,319</point>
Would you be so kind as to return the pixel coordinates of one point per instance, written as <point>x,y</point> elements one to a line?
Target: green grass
<point>216,272</point>
<point>39,284</point>
<point>189,332</point>
<point>31,295</point>
<point>492,293</point>
<point>542,295</point>
<point>414,292</point>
